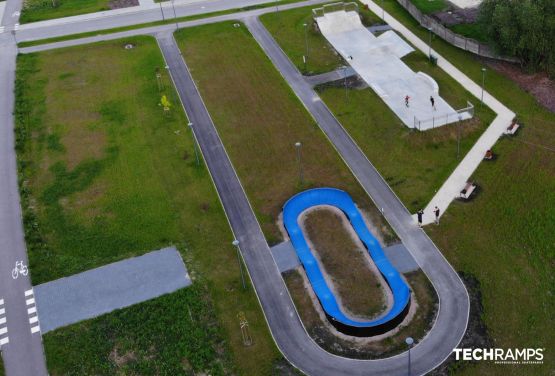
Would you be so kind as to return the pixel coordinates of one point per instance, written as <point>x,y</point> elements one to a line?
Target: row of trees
<point>524,29</point>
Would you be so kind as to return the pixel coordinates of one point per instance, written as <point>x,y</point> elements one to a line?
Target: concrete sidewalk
<point>462,173</point>
<point>98,291</point>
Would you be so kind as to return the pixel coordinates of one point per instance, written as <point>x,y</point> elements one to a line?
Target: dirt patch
<point>476,335</point>
<point>117,4</point>
<point>82,143</point>
<point>454,16</point>
<point>537,84</point>
<point>123,359</point>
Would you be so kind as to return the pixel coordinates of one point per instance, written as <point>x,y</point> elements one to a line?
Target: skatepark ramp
<point>377,60</point>
<point>400,290</point>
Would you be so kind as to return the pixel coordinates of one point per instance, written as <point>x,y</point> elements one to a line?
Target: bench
<point>489,155</point>
<point>467,191</point>
<point>511,129</point>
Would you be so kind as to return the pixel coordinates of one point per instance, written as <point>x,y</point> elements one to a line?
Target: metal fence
<point>450,37</point>
<point>440,120</point>
<point>334,7</point>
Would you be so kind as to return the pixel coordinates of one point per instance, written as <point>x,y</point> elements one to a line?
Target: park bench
<point>467,191</point>
<point>511,129</point>
<point>489,155</point>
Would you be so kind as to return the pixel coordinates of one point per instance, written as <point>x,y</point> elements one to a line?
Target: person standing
<point>419,214</point>
<point>436,212</point>
<point>433,102</point>
<point>407,99</point>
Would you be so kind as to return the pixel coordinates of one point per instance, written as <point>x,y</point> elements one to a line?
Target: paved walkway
<point>462,173</point>
<point>285,256</point>
<point>98,291</point>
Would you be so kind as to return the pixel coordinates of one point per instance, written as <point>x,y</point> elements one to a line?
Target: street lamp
<point>175,15</point>
<point>459,137</point>
<point>305,43</point>
<point>194,142</point>
<point>162,11</point>
<point>235,243</point>
<point>298,146</point>
<point>409,341</point>
<point>383,13</point>
<point>430,44</point>
<point>483,84</point>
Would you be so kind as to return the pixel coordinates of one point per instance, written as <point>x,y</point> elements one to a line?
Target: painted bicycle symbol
<point>20,268</point>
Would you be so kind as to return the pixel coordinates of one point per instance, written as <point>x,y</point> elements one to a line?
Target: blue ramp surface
<point>342,200</point>
<point>92,293</point>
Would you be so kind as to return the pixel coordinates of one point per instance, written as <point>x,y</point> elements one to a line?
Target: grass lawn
<point>288,29</point>
<point>39,10</point>
<point>505,236</point>
<point>105,175</point>
<point>471,30</point>
<point>357,286</point>
<point>430,6</point>
<point>260,119</point>
<point>415,164</point>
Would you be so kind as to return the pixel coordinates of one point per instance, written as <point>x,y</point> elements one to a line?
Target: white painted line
<point>33,320</point>
<point>2,311</point>
<point>31,310</point>
<point>4,341</point>
<point>35,329</point>
<point>1,29</point>
<point>1,301</point>
<point>2,320</point>
<point>30,301</point>
<point>29,292</point>
<point>3,330</point>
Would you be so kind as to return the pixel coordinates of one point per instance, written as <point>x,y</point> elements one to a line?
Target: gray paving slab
<point>401,258</point>
<point>285,256</point>
<point>335,75</point>
<point>98,291</point>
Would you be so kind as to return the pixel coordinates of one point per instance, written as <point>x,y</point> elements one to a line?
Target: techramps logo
<point>501,356</point>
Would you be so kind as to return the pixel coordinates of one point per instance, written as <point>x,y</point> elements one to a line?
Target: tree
<point>524,29</point>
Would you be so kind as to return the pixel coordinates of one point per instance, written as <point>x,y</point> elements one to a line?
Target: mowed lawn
<point>260,120</point>
<point>505,236</point>
<point>39,10</point>
<point>106,175</point>
<point>415,164</point>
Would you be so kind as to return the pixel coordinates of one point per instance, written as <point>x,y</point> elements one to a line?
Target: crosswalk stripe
<point>1,301</point>
<point>2,311</point>
<point>4,341</point>
<point>2,320</point>
<point>1,29</point>
<point>33,319</point>
<point>29,292</point>
<point>31,310</point>
<point>30,301</point>
<point>35,329</point>
<point>3,330</point>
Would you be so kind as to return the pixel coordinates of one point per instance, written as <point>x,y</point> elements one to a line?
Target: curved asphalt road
<point>278,307</point>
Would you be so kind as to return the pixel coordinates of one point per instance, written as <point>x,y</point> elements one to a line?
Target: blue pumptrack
<point>342,200</point>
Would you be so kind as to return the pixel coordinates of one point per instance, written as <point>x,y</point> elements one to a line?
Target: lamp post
<point>483,84</point>
<point>162,11</point>
<point>298,147</point>
<point>459,137</point>
<point>305,43</point>
<point>235,243</point>
<point>175,15</point>
<point>194,143</point>
<point>409,341</point>
<point>430,44</point>
<point>383,13</point>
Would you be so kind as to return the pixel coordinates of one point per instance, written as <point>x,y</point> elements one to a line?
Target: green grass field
<point>505,236</point>
<point>471,30</point>
<point>40,10</point>
<point>106,175</point>
<point>430,6</point>
<point>260,120</point>
<point>288,29</point>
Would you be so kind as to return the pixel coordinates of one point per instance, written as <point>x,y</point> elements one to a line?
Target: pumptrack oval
<point>399,288</point>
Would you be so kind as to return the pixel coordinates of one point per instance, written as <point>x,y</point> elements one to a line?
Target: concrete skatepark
<point>377,60</point>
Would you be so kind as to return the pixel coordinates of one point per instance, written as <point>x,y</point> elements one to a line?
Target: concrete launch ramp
<point>377,60</point>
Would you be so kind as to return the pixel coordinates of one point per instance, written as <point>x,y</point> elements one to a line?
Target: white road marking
<point>3,330</point>
<point>2,320</point>
<point>31,310</point>
<point>2,311</point>
<point>30,301</point>
<point>29,292</point>
<point>35,329</point>
<point>1,301</point>
<point>4,341</point>
<point>1,29</point>
<point>33,320</point>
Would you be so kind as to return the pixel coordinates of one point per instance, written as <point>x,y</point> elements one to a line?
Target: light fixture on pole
<point>383,13</point>
<point>235,243</point>
<point>194,143</point>
<point>305,25</point>
<point>298,146</point>
<point>162,11</point>
<point>175,15</point>
<point>459,137</point>
<point>409,341</point>
<point>430,44</point>
<point>483,84</point>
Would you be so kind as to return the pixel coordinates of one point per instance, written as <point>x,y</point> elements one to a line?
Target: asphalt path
<point>23,354</point>
<point>280,312</point>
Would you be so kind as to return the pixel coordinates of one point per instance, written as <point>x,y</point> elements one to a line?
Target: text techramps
<point>343,201</point>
